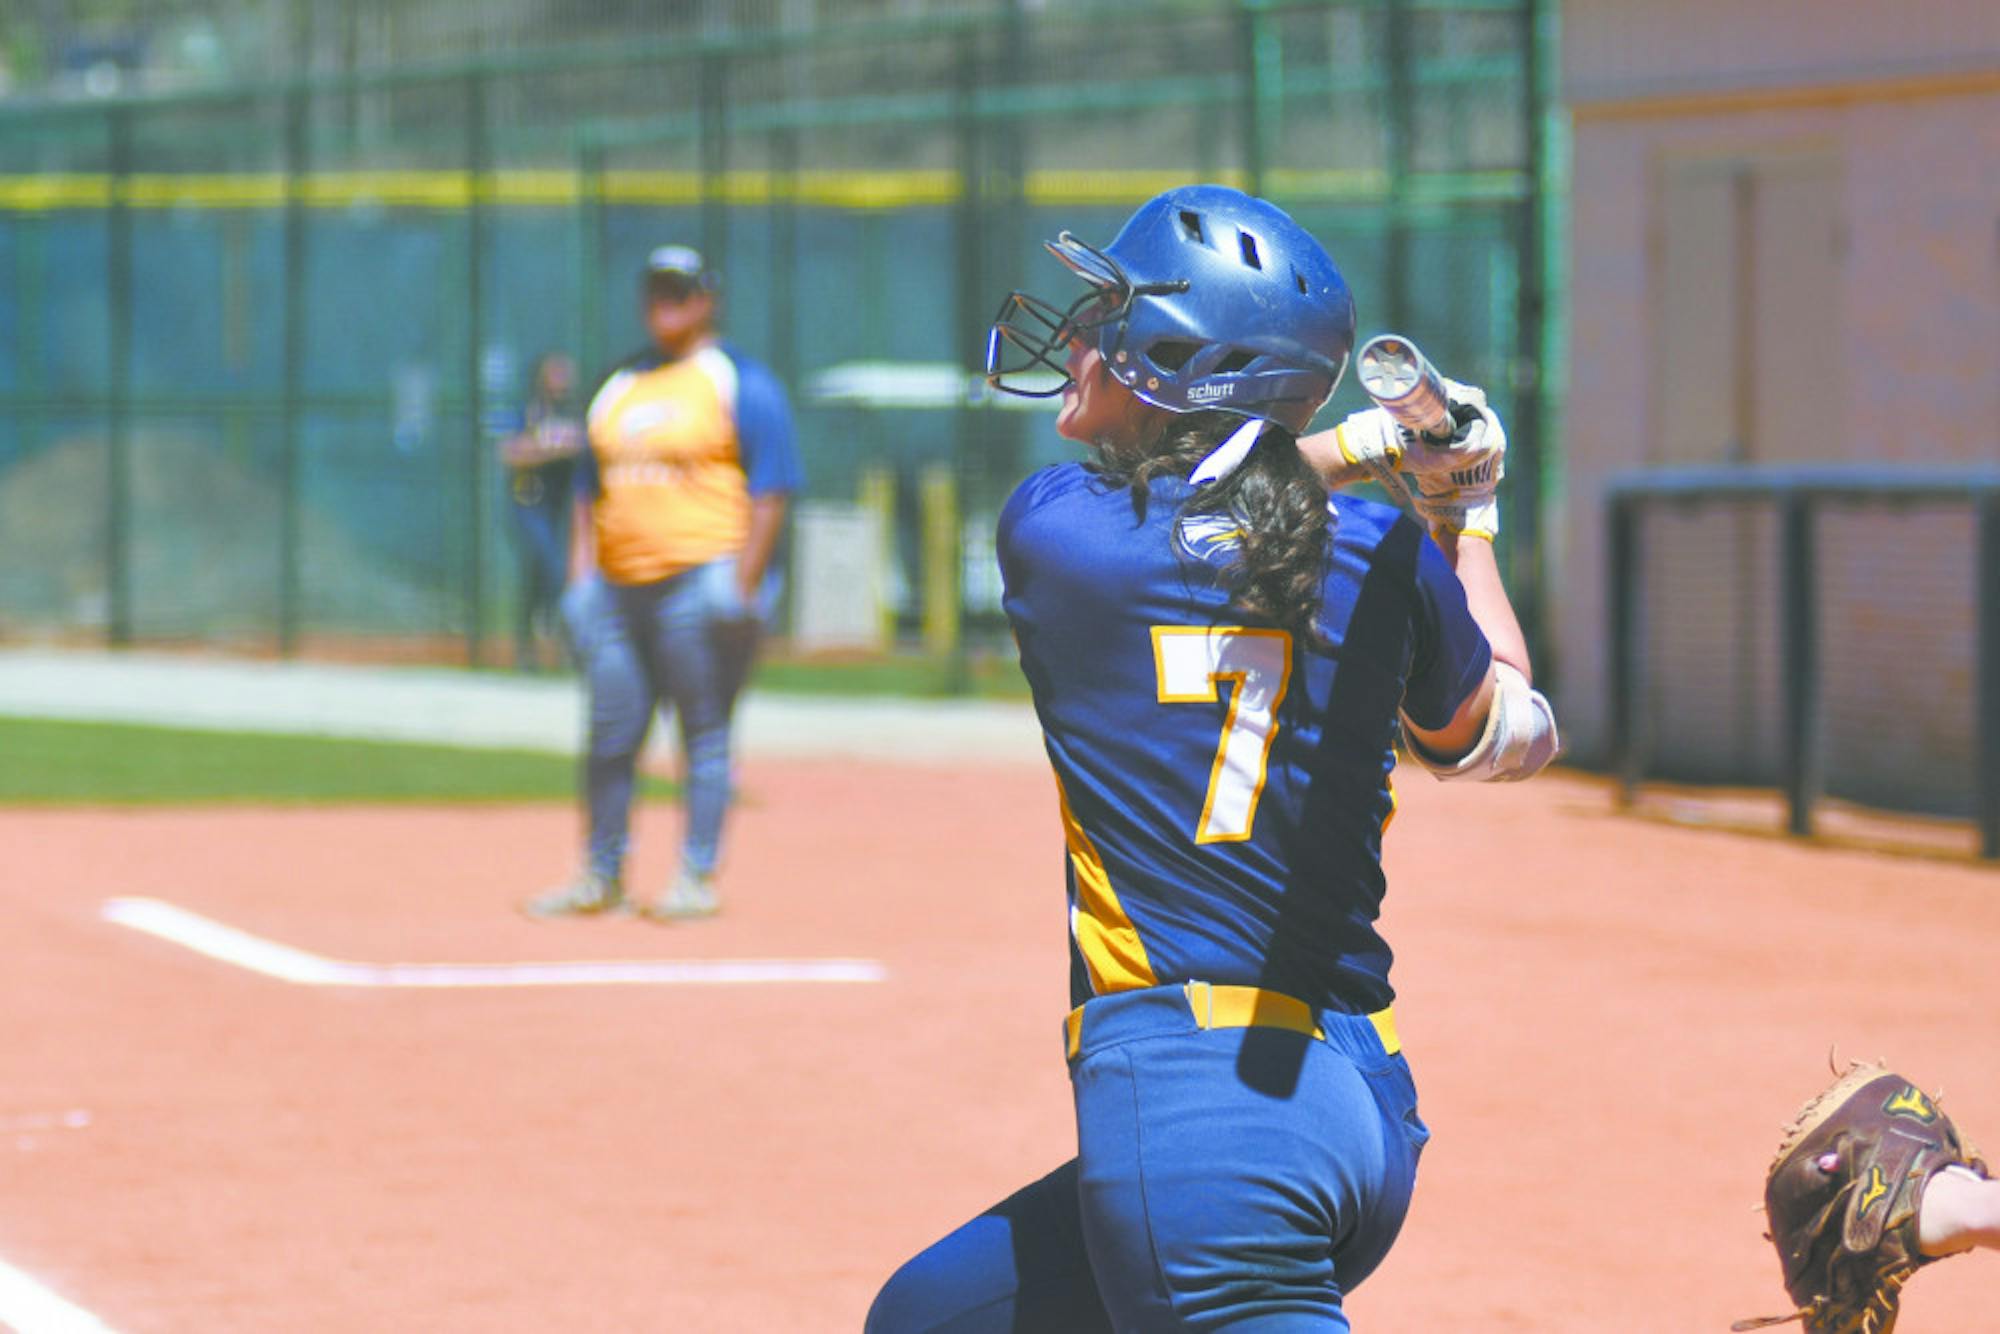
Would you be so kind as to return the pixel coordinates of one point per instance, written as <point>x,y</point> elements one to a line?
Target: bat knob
<point>1403,381</point>
<point>1389,367</point>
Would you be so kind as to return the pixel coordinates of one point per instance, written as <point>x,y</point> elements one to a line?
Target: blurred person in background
<point>540,462</point>
<point>682,495</point>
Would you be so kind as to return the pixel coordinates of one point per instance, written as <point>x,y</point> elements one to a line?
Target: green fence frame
<point>990,188</point>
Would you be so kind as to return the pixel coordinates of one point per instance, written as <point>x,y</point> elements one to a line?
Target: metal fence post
<point>1527,364</point>
<point>785,255</point>
<point>712,153</point>
<point>292,385</point>
<point>970,249</point>
<point>1987,732</point>
<point>590,261</point>
<point>1399,116</point>
<point>1623,620</point>
<point>118,373</point>
<point>476,170</point>
<point>1263,93</point>
<point>1799,659</point>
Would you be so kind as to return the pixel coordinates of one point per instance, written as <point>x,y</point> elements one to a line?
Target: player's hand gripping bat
<point>1404,384</point>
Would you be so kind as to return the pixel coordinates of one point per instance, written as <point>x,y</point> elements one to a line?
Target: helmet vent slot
<point>1191,226</point>
<point>1234,362</point>
<point>1249,245</point>
<point>1171,354</point>
<point>1299,281</point>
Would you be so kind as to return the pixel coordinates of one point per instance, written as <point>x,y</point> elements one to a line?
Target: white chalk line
<point>227,944</point>
<point>30,1308</point>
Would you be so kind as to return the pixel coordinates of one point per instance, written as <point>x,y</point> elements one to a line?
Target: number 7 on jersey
<point>1190,663</point>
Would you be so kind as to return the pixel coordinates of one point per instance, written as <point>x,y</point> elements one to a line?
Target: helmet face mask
<point>1031,334</point>
<point>1207,299</point>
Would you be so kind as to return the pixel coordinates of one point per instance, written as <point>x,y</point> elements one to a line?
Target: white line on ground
<point>29,1308</point>
<point>76,1118</point>
<point>227,944</point>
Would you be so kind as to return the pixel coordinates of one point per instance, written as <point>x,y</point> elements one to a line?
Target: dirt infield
<point>1609,1021</point>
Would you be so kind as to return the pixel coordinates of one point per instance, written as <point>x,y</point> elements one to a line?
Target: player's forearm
<point>1960,1210</point>
<point>548,440</point>
<point>1322,451</point>
<point>767,520</point>
<point>1486,598</point>
<point>582,541</point>
<point>1473,558</point>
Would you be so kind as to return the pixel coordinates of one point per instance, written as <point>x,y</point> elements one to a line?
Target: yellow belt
<point>1249,1007</point>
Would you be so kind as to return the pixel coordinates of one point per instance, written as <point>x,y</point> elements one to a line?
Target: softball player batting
<point>684,489</point>
<point>1219,655</point>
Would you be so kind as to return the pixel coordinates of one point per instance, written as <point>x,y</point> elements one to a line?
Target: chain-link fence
<point>257,341</point>
<point>1825,631</point>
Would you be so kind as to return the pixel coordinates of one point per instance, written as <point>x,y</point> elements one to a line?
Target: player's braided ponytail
<point>1276,498</point>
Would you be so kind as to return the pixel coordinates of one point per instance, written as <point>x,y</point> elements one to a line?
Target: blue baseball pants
<point>1225,1178</point>
<point>685,643</point>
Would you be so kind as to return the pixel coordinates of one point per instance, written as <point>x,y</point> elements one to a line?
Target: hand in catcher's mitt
<point>1843,1193</point>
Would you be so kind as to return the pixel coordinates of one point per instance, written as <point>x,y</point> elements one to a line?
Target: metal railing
<point>1800,498</point>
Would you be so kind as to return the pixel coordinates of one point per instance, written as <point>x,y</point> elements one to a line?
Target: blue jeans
<point>1226,1178</point>
<point>685,643</point>
<point>542,539</point>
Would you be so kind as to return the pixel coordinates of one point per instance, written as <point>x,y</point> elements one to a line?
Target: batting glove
<point>1373,441</point>
<point>1452,485</point>
<point>1456,485</point>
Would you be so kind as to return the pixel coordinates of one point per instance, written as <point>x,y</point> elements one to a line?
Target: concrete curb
<point>478,709</point>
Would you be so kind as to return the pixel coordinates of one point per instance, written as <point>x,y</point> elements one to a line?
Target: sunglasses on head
<point>674,285</point>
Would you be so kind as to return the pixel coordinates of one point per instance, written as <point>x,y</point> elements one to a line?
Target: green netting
<point>256,342</point>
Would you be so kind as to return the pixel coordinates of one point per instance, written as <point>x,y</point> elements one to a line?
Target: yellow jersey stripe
<point>1110,944</point>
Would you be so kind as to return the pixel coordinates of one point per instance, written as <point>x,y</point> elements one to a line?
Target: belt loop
<point>1201,1004</point>
<point>1384,1021</point>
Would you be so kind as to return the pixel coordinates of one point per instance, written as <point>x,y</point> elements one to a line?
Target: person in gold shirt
<point>681,493</point>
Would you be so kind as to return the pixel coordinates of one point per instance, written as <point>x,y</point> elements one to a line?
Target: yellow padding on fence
<point>44,193</point>
<point>447,189</point>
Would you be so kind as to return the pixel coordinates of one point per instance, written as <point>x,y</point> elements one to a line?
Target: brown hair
<point>1277,500</point>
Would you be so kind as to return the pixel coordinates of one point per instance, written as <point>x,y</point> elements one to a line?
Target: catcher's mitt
<point>1842,1197</point>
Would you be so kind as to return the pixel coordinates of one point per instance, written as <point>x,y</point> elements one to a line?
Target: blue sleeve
<point>764,434</point>
<point>1024,499</point>
<point>1018,503</point>
<point>1452,654</point>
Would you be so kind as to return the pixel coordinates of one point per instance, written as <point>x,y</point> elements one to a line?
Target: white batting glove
<point>1455,485</point>
<point>1451,485</point>
<point>1476,436</point>
<point>1372,441</point>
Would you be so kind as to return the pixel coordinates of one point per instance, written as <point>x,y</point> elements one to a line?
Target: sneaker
<point>692,895</point>
<point>588,894</point>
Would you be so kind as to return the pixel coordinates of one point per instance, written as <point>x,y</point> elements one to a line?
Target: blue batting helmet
<point>1207,298</point>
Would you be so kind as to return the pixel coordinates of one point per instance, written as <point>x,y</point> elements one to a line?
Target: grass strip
<point>48,762</point>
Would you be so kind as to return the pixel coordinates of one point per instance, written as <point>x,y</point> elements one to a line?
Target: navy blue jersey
<point>1224,785</point>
